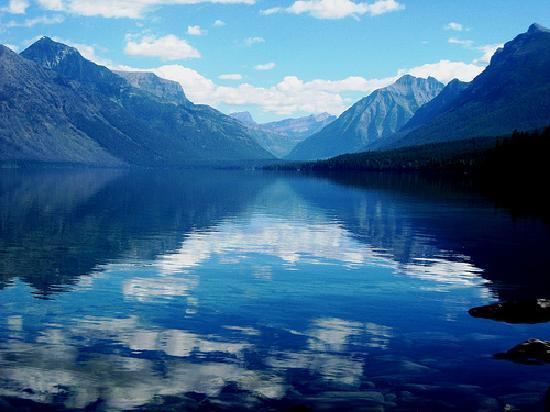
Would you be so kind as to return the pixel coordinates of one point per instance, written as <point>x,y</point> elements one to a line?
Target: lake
<point>232,290</point>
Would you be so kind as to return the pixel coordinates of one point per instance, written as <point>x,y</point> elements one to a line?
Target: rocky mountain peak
<point>70,65</point>
<point>49,53</point>
<point>243,117</point>
<point>537,28</point>
<point>405,80</point>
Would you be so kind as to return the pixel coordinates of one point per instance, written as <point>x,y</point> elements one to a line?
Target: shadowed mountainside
<point>56,106</point>
<point>513,92</point>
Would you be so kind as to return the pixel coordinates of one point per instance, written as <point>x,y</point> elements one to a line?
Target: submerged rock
<point>534,351</point>
<point>524,311</point>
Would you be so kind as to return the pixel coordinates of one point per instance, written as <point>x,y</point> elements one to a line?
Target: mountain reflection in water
<point>221,290</point>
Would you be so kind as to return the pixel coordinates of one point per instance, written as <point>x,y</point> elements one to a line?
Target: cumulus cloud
<point>445,70</point>
<point>168,47</point>
<point>337,9</point>
<point>230,76</point>
<point>290,95</point>
<point>88,51</point>
<point>266,66</point>
<point>488,51</point>
<point>57,5</point>
<point>251,41</point>
<point>294,95</point>
<point>219,23</point>
<point>460,42</point>
<point>16,7</point>
<point>133,9</point>
<point>195,30</point>
<point>454,26</point>
<point>56,19</point>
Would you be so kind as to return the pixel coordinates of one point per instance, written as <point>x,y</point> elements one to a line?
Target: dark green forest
<point>516,155</point>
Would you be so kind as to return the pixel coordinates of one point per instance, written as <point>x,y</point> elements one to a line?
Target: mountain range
<point>57,106</point>
<point>371,119</point>
<point>280,137</point>
<point>513,92</point>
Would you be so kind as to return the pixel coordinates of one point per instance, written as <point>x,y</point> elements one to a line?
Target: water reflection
<point>60,225</point>
<point>54,374</point>
<point>212,290</point>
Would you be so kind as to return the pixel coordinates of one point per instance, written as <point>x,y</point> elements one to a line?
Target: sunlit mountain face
<point>217,290</point>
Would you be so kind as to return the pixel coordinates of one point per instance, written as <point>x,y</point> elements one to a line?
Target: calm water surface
<point>231,290</point>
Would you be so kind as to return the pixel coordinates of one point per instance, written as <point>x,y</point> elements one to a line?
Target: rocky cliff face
<point>165,90</point>
<point>371,119</point>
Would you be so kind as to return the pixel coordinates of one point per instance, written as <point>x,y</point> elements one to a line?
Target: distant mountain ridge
<point>57,106</point>
<point>280,137</point>
<point>371,119</point>
<point>301,126</point>
<point>244,117</point>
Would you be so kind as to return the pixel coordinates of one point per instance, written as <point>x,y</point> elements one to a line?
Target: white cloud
<point>460,42</point>
<point>88,51</point>
<point>337,9</point>
<point>195,30</point>
<point>56,19</point>
<point>133,9</point>
<point>454,26</point>
<point>196,86</point>
<point>293,95</point>
<point>168,47</point>
<point>272,10</point>
<point>219,23</point>
<point>16,7</point>
<point>230,76</point>
<point>266,66</point>
<point>488,51</point>
<point>56,5</point>
<point>250,41</point>
<point>445,71</point>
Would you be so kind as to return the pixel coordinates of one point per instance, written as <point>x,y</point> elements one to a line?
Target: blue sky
<point>278,58</point>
